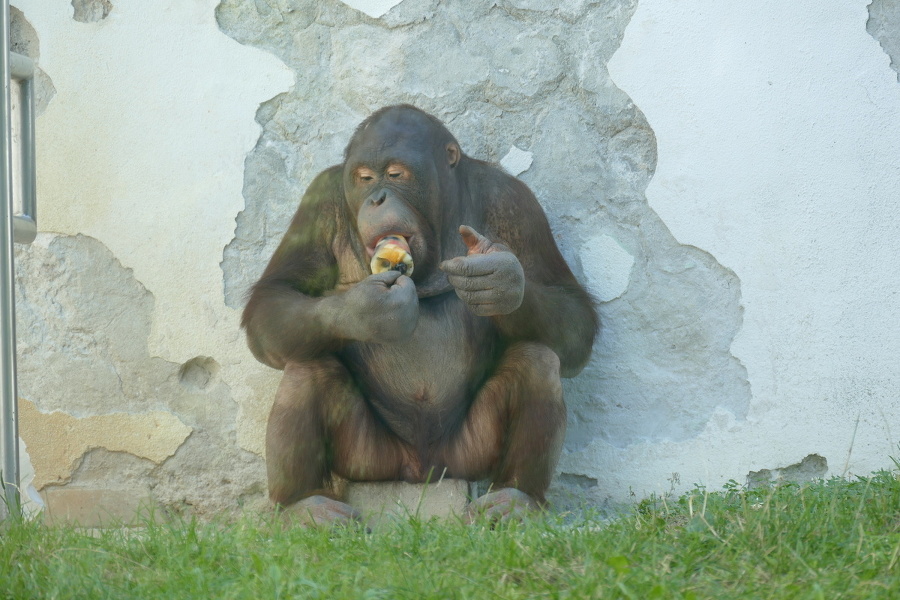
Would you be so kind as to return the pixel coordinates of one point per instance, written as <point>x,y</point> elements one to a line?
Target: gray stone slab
<point>380,501</point>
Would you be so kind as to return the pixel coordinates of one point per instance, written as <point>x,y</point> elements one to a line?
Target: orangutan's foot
<point>502,505</point>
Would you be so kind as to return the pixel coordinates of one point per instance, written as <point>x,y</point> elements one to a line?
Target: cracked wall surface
<point>704,207</point>
<point>119,301</point>
<point>663,364</point>
<point>59,441</point>
<point>777,154</point>
<point>89,383</point>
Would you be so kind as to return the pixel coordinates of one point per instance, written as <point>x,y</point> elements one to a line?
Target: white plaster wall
<point>777,127</point>
<point>778,134</point>
<point>143,148</point>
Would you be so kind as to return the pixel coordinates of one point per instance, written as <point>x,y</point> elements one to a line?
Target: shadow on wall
<point>663,363</point>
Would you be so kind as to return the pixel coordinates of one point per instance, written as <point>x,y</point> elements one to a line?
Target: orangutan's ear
<point>453,154</point>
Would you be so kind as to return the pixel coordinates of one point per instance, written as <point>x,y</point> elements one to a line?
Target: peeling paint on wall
<point>147,151</point>
<point>24,40</point>
<point>120,309</point>
<point>809,469</point>
<point>132,304</point>
<point>83,323</point>
<point>663,364</point>
<point>777,156</point>
<point>58,441</point>
<point>91,11</point>
<point>884,26</point>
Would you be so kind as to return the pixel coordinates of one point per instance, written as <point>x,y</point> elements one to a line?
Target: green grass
<point>833,539</point>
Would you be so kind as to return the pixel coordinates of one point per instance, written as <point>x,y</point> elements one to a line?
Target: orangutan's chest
<point>437,369</point>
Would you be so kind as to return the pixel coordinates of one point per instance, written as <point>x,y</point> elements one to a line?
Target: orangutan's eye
<point>365,175</point>
<point>397,172</point>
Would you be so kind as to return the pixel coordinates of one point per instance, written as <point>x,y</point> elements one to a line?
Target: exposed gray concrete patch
<point>810,468</point>
<point>99,467</point>
<point>607,278</point>
<point>527,63</point>
<point>211,475</point>
<point>23,39</point>
<point>884,26</point>
<point>91,11</point>
<point>534,10</point>
<point>503,74</point>
<point>83,323</point>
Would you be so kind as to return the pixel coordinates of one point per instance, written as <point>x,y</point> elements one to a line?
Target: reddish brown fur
<point>382,385</point>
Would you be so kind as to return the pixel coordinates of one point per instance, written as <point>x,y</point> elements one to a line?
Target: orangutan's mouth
<point>399,238</point>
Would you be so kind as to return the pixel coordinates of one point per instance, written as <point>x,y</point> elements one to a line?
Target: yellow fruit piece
<point>391,254</point>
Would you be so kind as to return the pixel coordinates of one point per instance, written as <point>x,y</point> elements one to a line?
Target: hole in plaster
<point>810,468</point>
<point>91,11</point>
<point>198,372</point>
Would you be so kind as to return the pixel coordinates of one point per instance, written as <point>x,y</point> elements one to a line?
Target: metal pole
<point>9,431</point>
<point>21,71</point>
